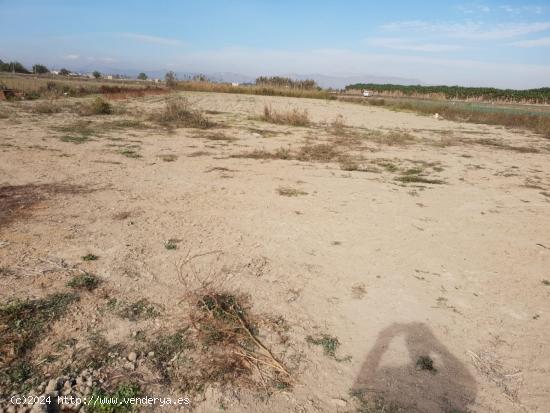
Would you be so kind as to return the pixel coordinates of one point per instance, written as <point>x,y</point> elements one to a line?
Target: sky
<point>490,43</point>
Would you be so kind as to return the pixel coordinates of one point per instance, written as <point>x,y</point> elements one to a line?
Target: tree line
<point>541,95</point>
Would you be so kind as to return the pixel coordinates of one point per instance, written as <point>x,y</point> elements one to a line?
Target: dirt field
<point>390,262</point>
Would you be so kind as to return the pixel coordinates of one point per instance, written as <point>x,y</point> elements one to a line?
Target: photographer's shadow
<point>408,367</point>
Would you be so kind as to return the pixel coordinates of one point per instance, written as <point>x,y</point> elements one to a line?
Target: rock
<point>51,386</point>
<point>339,402</point>
<point>129,365</point>
<point>132,356</point>
<point>151,354</point>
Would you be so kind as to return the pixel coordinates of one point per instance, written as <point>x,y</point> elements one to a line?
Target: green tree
<point>96,74</point>
<point>64,72</point>
<point>142,76</point>
<point>40,69</point>
<point>13,67</point>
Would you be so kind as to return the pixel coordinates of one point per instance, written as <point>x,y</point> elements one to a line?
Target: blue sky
<point>503,44</point>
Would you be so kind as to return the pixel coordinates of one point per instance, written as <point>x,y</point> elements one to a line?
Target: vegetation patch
<point>168,157</point>
<point>117,401</point>
<point>321,152</point>
<point>425,363</point>
<point>293,117</point>
<point>228,351</point>
<point>329,344</point>
<point>77,139</point>
<point>373,405</point>
<point>141,309</point>
<point>98,106</point>
<point>84,281</point>
<point>90,257</point>
<point>22,325</point>
<point>179,113</point>
<point>130,153</point>
<point>290,192</point>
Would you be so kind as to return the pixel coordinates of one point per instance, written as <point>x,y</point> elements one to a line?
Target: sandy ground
<point>395,271</point>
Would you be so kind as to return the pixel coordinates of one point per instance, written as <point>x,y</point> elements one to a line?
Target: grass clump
<point>321,152</point>
<point>230,352</point>
<point>414,178</point>
<point>425,363</point>
<point>168,157</point>
<point>77,139</point>
<point>293,117</point>
<point>330,344</point>
<point>84,281</point>
<point>290,192</point>
<point>171,244</point>
<point>117,401</point>
<point>90,257</point>
<point>139,310</point>
<point>130,153</point>
<point>22,325</point>
<point>98,106</point>
<point>47,107</point>
<point>280,153</point>
<point>376,405</point>
<point>179,113</point>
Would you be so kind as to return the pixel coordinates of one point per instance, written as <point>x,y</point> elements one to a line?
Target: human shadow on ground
<point>409,370</point>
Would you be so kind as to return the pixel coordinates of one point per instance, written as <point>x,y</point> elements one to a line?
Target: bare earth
<point>394,270</point>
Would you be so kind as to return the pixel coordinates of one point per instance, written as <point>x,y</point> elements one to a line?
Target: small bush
<point>98,106</point>
<point>84,282</point>
<point>46,107</point>
<point>321,152</point>
<point>294,117</point>
<point>288,191</point>
<point>180,113</point>
<point>90,257</point>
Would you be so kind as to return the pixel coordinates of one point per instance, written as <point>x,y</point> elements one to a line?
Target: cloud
<point>542,42</point>
<point>406,44</point>
<point>470,30</point>
<point>473,8</point>
<point>71,57</point>
<point>522,9</point>
<point>144,38</point>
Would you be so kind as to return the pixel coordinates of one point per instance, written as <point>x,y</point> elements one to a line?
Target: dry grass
<point>280,153</point>
<point>47,107</point>
<point>220,347</point>
<point>180,113</point>
<point>290,192</point>
<point>322,152</point>
<point>499,115</point>
<point>50,86</point>
<point>253,90</point>
<point>293,117</point>
<point>98,106</point>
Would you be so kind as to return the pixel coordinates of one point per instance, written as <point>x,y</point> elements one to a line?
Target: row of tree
<point>17,67</point>
<point>286,82</point>
<point>541,95</point>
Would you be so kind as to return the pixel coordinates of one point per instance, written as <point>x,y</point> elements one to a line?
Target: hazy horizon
<point>498,44</point>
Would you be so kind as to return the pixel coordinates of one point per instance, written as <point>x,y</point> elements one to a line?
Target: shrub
<point>179,112</point>
<point>99,106</point>
<point>294,117</point>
